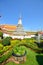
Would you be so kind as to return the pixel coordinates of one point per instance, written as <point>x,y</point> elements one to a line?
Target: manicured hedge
<point>5,49</point>
<point>32,46</point>
<point>6,56</point>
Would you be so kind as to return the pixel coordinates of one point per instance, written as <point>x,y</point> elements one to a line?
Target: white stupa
<point>20,21</point>
<point>19,30</point>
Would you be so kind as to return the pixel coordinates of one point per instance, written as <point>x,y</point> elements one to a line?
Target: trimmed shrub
<point>19,50</point>
<point>14,42</point>
<point>6,41</point>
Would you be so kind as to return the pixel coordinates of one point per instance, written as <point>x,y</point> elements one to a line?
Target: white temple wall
<point>19,37</point>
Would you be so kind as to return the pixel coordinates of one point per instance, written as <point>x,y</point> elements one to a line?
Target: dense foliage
<point>6,41</point>
<point>19,50</point>
<point>1,46</point>
<point>6,56</point>
<point>1,35</point>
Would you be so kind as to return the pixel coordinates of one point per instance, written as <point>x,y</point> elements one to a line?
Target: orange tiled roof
<point>8,27</point>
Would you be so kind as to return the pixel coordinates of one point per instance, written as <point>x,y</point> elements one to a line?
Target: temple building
<point>15,31</point>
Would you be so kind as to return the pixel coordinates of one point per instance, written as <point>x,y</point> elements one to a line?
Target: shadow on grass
<point>39,59</point>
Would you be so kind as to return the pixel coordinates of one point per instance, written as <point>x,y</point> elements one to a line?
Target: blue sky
<point>31,12</point>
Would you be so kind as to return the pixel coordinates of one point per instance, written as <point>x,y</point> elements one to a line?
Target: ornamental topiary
<point>19,50</point>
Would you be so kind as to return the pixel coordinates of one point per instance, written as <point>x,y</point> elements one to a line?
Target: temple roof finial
<point>20,19</point>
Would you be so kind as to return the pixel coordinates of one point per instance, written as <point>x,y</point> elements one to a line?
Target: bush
<point>6,41</point>
<point>14,42</point>
<point>1,52</point>
<point>5,48</point>
<point>1,46</point>
<point>19,50</point>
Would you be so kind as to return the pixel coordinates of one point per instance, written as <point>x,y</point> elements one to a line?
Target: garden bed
<point>19,54</point>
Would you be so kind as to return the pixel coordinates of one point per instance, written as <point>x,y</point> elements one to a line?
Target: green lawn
<point>32,59</point>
